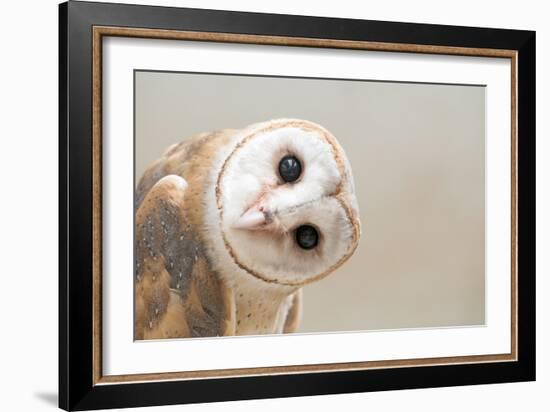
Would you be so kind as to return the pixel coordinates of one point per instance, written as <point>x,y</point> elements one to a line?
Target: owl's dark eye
<point>307,237</point>
<point>290,168</point>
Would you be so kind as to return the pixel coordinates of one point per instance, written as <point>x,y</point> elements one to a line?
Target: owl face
<point>286,202</point>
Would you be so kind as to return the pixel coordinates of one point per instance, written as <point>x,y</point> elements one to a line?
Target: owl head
<point>286,204</point>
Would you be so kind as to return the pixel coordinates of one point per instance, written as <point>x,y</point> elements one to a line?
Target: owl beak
<point>252,219</point>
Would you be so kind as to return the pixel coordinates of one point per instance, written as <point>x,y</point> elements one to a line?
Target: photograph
<point>275,206</point>
<point>271,204</point>
<point>259,205</point>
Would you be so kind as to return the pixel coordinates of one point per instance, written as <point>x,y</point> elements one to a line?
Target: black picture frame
<point>77,389</point>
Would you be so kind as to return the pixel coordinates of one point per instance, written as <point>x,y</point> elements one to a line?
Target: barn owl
<point>230,225</point>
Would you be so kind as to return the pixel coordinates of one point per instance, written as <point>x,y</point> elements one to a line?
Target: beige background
<point>417,153</point>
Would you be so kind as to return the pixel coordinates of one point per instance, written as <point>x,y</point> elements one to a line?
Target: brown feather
<point>176,292</point>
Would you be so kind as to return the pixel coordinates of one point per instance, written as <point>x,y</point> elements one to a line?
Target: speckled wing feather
<point>176,293</point>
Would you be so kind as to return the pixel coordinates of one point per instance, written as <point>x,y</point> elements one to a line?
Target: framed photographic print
<point>256,205</point>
